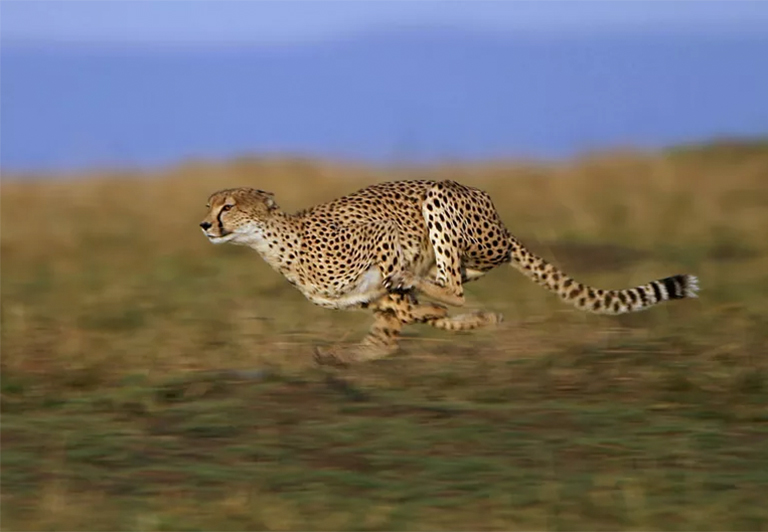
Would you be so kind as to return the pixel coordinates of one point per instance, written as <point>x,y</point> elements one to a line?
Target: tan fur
<point>385,244</point>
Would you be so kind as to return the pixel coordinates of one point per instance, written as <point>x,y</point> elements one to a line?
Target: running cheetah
<point>384,246</point>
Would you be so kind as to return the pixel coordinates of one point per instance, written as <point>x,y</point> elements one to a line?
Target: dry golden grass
<point>117,315</point>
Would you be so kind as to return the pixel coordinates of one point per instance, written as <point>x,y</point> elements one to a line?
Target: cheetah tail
<point>595,300</point>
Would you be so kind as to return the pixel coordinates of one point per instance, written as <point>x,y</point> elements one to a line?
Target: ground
<point>152,381</point>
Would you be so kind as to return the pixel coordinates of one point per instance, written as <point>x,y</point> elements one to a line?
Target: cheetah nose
<point>206,225</point>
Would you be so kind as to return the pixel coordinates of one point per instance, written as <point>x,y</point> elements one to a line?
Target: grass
<point>153,381</point>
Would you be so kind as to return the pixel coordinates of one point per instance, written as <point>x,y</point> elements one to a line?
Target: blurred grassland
<point>121,325</point>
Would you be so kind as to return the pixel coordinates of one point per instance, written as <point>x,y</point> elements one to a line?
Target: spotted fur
<point>382,246</point>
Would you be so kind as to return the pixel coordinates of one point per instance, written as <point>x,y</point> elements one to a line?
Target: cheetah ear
<point>269,201</point>
<point>258,195</point>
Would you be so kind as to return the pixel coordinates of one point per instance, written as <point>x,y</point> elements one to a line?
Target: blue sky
<point>177,22</point>
<point>141,83</point>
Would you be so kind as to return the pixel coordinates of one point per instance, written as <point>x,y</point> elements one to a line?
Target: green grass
<point>152,381</point>
<point>601,437</point>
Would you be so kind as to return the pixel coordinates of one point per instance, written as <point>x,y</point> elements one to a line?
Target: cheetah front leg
<point>381,341</point>
<point>391,313</point>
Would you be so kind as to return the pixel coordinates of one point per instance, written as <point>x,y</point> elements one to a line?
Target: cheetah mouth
<point>219,239</point>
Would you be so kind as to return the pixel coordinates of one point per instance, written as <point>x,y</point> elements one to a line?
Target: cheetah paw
<point>327,356</point>
<point>491,318</point>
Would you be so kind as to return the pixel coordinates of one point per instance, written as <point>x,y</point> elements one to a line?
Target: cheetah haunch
<point>385,245</point>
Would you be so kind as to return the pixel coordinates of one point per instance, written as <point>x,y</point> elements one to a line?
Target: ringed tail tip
<point>691,286</point>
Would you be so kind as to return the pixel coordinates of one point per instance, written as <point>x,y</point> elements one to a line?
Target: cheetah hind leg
<point>409,310</point>
<point>468,321</point>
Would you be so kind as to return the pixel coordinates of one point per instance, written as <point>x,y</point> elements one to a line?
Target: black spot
<point>575,293</point>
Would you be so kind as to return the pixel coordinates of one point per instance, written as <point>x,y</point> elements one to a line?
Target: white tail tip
<point>692,286</point>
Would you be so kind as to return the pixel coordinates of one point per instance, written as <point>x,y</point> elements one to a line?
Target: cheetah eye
<point>226,207</point>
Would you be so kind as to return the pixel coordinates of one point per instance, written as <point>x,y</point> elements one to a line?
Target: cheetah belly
<point>367,287</point>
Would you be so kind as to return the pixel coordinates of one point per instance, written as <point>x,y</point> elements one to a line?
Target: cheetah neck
<point>278,241</point>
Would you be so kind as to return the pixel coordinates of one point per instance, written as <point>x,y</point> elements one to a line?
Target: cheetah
<point>385,246</point>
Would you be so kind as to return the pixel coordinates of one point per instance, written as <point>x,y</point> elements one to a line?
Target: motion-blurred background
<point>153,381</point>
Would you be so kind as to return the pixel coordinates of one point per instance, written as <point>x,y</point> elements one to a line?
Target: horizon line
<point>386,31</point>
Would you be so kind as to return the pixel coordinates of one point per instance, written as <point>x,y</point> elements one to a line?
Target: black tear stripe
<point>218,219</point>
<point>674,286</point>
<point>656,290</point>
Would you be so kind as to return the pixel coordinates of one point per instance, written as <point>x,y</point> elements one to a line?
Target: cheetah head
<point>238,215</point>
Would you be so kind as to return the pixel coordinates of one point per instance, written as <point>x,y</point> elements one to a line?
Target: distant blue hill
<point>406,96</point>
